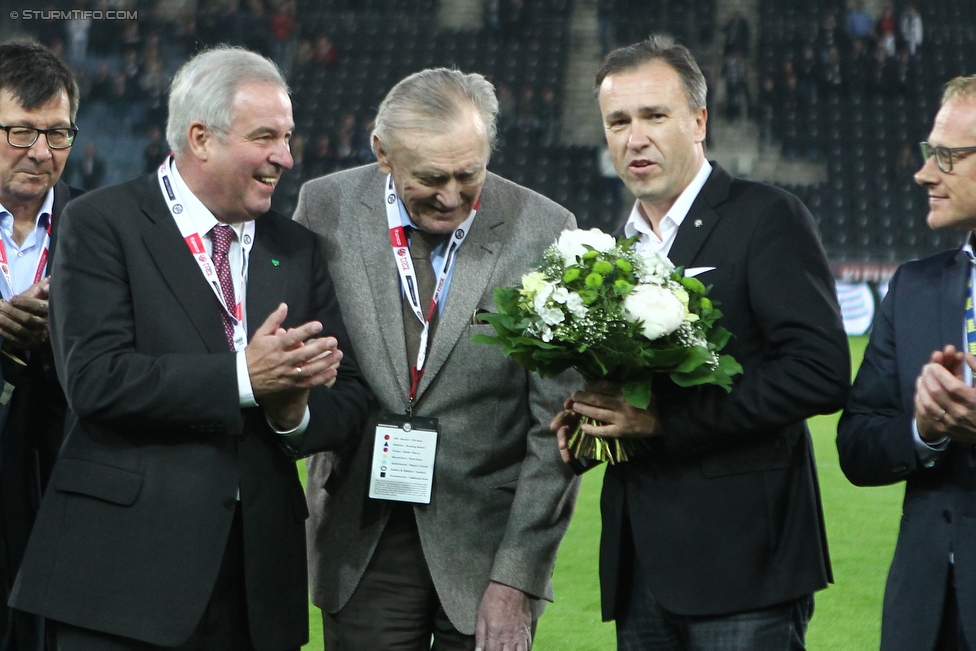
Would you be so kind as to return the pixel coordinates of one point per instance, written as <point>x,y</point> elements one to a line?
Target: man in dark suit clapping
<point>186,321</point>
<point>38,103</point>
<point>912,412</point>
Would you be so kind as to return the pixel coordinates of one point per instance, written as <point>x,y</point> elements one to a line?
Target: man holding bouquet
<point>713,535</point>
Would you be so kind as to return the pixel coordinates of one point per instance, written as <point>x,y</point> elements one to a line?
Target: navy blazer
<point>922,312</point>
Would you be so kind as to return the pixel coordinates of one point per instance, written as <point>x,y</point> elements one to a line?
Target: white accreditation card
<point>403,459</point>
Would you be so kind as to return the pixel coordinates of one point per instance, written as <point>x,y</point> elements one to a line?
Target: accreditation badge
<point>403,459</point>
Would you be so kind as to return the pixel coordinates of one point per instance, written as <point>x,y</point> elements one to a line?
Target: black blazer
<point>725,509</point>
<point>922,312</point>
<point>131,534</point>
<point>32,422</point>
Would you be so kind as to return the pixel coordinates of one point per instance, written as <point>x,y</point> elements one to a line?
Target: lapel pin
<point>275,262</point>
<point>698,223</point>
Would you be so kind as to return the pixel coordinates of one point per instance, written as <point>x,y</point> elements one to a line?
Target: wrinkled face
<point>241,170</point>
<point>952,196</point>
<point>655,139</point>
<point>27,174</point>
<point>439,176</point>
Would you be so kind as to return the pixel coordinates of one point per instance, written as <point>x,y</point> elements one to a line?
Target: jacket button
<point>947,516</point>
<point>230,503</point>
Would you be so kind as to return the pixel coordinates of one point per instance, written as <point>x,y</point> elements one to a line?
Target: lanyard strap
<point>41,262</point>
<point>970,314</point>
<point>195,243</point>
<point>408,277</point>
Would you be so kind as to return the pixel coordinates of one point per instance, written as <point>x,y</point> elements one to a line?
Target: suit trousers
<point>645,625</point>
<point>395,606</point>
<point>223,627</point>
<point>952,637</point>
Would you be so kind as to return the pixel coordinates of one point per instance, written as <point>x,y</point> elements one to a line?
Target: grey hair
<point>205,86</point>
<point>659,47</point>
<point>432,100</point>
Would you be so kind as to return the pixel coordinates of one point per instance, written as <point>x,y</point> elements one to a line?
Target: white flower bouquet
<point>612,313</point>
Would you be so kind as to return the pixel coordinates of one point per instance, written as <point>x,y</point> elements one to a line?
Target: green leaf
<point>637,393</point>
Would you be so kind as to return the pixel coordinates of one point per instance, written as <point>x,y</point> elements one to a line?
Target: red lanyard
<point>408,277</point>
<point>41,263</point>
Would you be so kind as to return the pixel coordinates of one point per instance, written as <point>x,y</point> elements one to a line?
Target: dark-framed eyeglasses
<point>944,155</point>
<point>25,137</point>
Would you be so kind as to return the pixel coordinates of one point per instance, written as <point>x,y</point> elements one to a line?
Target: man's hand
<point>605,402</point>
<point>504,620</point>
<point>284,364</point>
<point>944,404</point>
<point>23,319</point>
<point>565,421</point>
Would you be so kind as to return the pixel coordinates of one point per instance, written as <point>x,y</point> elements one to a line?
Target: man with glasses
<point>38,103</point>
<point>912,411</point>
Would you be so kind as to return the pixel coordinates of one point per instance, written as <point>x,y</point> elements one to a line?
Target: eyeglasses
<point>25,137</point>
<point>943,155</point>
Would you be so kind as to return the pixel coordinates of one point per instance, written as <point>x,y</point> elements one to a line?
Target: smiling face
<point>952,197</point>
<point>439,176</point>
<point>654,137</point>
<point>235,175</point>
<point>27,174</point>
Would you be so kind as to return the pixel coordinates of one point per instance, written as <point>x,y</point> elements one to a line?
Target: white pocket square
<point>691,272</point>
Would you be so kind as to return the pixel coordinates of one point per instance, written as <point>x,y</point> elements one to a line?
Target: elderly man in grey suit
<point>444,522</point>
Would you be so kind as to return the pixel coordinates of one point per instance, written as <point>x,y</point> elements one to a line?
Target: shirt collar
<point>203,220</point>
<point>43,217</point>
<point>637,223</point>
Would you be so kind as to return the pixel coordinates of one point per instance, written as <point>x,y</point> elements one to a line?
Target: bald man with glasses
<point>912,412</point>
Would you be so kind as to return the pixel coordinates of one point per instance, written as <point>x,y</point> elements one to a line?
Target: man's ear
<point>382,155</point>
<point>198,140</point>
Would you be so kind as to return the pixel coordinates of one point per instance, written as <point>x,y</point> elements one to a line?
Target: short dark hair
<point>662,48</point>
<point>35,74</point>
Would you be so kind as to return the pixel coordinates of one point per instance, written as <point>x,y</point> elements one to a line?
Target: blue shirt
<point>23,259</point>
<point>436,257</point>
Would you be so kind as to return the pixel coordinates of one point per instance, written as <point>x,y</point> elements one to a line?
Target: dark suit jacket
<point>32,425</point>
<point>922,312</point>
<point>130,537</point>
<point>725,508</point>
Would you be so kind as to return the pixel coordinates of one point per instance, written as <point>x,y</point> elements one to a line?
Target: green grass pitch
<point>861,527</point>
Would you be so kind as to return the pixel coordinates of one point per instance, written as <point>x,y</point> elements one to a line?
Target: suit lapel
<point>266,280</point>
<point>384,281</point>
<point>954,277</point>
<point>473,271</point>
<point>179,269</point>
<point>701,218</point>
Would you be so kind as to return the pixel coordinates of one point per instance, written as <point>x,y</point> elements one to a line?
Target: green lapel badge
<point>275,262</point>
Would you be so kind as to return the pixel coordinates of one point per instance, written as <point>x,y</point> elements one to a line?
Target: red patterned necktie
<point>221,236</point>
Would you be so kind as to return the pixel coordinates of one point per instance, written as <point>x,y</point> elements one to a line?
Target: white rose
<point>570,243</point>
<point>659,310</point>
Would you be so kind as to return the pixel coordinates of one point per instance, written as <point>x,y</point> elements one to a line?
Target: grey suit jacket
<point>501,498</point>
